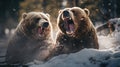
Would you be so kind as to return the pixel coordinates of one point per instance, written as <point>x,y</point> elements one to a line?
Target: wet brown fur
<point>83,37</point>
<point>24,46</point>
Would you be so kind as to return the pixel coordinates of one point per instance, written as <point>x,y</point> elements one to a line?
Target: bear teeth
<point>40,30</point>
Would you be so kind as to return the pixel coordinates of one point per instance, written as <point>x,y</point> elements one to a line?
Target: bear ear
<point>24,15</point>
<point>48,15</point>
<point>87,11</point>
<point>60,11</point>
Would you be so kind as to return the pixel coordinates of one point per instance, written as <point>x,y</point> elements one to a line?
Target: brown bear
<point>32,39</point>
<point>76,31</point>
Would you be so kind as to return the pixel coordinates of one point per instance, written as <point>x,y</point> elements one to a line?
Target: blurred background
<point>11,10</point>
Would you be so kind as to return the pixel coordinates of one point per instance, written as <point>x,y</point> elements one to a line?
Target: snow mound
<point>107,56</point>
<point>83,58</point>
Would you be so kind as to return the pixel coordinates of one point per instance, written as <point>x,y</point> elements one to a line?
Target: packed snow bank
<point>107,56</point>
<point>84,58</point>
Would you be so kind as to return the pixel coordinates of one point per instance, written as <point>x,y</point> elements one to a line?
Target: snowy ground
<point>107,56</point>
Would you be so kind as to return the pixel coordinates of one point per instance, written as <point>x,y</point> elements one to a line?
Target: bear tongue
<point>40,30</point>
<point>70,28</point>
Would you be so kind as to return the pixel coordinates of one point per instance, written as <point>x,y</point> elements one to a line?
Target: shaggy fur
<point>31,40</point>
<point>76,31</point>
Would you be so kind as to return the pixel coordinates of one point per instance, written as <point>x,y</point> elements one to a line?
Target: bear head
<point>74,21</point>
<point>35,24</point>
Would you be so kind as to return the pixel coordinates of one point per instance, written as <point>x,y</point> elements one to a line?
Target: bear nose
<point>45,24</point>
<point>65,13</point>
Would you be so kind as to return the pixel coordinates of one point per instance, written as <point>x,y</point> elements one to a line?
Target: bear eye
<point>37,19</point>
<point>73,11</point>
<point>45,18</point>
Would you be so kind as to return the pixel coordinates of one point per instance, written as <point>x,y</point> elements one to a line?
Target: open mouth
<point>69,25</point>
<point>41,30</point>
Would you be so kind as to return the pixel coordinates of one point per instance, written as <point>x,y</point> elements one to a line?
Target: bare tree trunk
<point>70,3</point>
<point>73,3</point>
<point>76,3</point>
<point>44,4</point>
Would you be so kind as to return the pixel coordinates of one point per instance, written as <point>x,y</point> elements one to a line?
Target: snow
<point>83,58</point>
<point>107,56</point>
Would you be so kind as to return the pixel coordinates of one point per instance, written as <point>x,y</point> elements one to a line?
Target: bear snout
<point>66,14</point>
